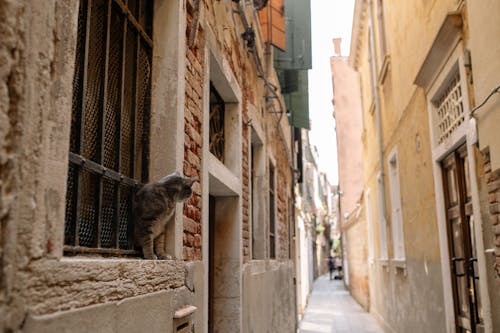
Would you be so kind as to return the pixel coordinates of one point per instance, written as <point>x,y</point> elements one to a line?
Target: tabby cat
<point>154,206</point>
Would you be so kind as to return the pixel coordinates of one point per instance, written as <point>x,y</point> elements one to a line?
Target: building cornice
<point>358,26</point>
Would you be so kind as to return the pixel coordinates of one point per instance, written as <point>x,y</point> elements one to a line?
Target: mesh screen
<point>142,112</point>
<point>113,96</point>
<point>113,126</point>
<point>95,77</point>
<point>76,112</point>
<point>71,188</point>
<point>108,217</point>
<point>87,228</point>
<point>125,227</point>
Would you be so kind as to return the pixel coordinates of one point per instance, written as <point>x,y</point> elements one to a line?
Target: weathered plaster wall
<point>267,301</point>
<point>356,241</point>
<point>40,288</point>
<point>485,48</point>
<point>398,293</point>
<point>38,52</point>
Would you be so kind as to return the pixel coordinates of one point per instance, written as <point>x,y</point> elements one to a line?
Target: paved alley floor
<point>332,310</point>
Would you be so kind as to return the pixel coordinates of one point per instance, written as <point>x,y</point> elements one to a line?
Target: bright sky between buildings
<point>330,19</point>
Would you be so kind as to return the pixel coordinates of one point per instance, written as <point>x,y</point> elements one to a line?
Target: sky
<point>330,19</point>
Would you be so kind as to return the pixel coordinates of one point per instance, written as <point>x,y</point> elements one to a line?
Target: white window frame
<point>382,224</point>
<point>369,222</point>
<point>398,242</point>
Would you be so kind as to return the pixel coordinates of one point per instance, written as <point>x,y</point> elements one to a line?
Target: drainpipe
<point>374,76</point>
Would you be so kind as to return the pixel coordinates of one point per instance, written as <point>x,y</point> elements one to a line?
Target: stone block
<point>147,313</point>
<point>96,318</point>
<point>496,229</point>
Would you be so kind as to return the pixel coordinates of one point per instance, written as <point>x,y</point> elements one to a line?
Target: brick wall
<point>281,206</point>
<point>193,115</point>
<point>493,186</point>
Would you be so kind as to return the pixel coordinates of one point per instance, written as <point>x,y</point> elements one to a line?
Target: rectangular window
<point>109,142</point>
<point>217,110</point>
<point>383,255</point>
<point>272,213</point>
<point>369,220</point>
<point>396,209</point>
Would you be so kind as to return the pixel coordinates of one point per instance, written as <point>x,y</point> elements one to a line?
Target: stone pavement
<point>332,310</point>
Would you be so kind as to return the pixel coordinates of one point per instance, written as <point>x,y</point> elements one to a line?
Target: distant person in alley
<point>331,266</point>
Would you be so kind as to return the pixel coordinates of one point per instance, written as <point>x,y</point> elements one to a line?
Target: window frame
<point>397,225</point>
<point>383,246</point>
<point>99,170</point>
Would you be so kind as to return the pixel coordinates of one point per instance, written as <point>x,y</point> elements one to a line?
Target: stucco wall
<point>400,293</point>
<point>268,305</point>
<point>485,48</point>
<point>356,243</point>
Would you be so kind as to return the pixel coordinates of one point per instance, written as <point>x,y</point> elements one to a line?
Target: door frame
<point>465,134</point>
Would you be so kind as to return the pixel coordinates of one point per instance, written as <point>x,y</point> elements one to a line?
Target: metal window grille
<point>449,109</point>
<point>217,109</point>
<point>109,143</point>
<point>272,217</point>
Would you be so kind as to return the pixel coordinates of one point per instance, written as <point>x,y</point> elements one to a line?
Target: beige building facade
<point>348,126</point>
<point>98,96</point>
<point>429,168</point>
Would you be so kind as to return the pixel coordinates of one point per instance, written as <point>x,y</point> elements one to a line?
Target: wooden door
<point>460,224</point>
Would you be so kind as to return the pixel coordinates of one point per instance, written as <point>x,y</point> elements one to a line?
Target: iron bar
<point>126,11</point>
<point>79,185</point>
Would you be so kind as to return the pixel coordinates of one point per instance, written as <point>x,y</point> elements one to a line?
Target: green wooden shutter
<point>298,37</point>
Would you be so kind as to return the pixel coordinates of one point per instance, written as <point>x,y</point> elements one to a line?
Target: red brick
<point>495,208</point>
<point>188,253</point>
<point>197,240</point>
<point>493,186</point>
<point>190,226</point>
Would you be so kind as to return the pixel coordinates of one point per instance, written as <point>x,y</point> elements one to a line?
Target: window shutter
<point>297,54</point>
<point>272,20</point>
<point>297,101</point>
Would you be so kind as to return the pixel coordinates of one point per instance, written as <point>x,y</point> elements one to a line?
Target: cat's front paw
<point>164,257</point>
<point>150,257</point>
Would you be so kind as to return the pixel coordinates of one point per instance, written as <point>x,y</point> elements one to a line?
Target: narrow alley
<point>332,310</point>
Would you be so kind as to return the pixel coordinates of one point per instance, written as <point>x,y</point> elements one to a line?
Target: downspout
<point>378,116</point>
